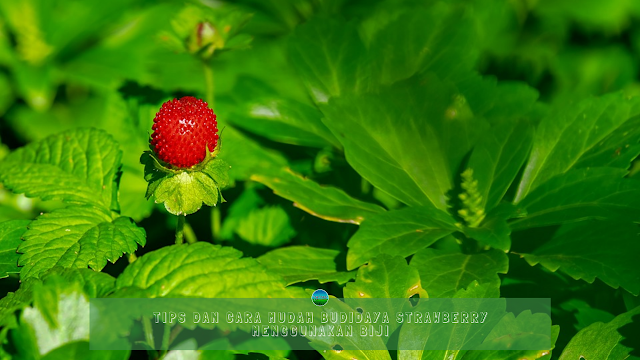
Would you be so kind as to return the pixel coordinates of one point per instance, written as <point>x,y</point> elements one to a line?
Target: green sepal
<point>183,191</point>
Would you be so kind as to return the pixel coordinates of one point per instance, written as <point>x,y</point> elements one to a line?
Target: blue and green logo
<point>320,297</point>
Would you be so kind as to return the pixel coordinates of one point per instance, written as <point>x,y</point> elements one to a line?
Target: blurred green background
<point>110,64</point>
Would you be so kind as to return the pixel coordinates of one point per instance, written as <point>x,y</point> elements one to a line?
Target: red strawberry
<point>182,130</point>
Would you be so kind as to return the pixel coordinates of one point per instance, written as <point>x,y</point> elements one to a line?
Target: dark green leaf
<point>260,109</point>
<point>569,132</point>
<point>409,139</point>
<point>591,193</point>
<point>303,263</point>
<point>328,53</point>
<point>600,340</point>
<point>399,232</point>
<point>422,40</point>
<point>10,238</point>
<point>498,157</point>
<point>607,250</point>
<point>444,272</point>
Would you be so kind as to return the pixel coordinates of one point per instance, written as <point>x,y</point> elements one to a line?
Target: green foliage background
<point>378,148</point>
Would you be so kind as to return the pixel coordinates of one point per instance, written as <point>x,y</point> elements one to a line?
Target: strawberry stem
<point>208,79</point>
<point>180,229</point>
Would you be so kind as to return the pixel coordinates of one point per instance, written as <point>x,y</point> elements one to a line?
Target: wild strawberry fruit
<point>183,129</point>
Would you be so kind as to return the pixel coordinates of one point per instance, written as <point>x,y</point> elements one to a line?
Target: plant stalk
<point>148,331</point>
<point>180,229</point>
<point>208,79</point>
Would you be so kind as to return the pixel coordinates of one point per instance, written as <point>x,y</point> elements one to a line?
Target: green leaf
<point>420,40</point>
<point>408,139</point>
<point>77,236</point>
<point>201,270</point>
<point>607,250</point>
<point>585,314</point>
<point>412,334</point>
<point>385,277</point>
<point>199,355</point>
<point>498,157</point>
<point>591,193</point>
<point>569,132</point>
<point>328,54</point>
<point>14,301</point>
<point>267,226</point>
<point>513,354</point>
<point>262,110</point>
<point>444,272</point>
<point>494,230</point>
<point>81,351</point>
<point>44,291</point>
<point>303,263</point>
<point>240,207</point>
<point>328,203</point>
<point>246,156</point>
<point>618,149</point>
<point>184,191</point>
<point>78,166</point>
<point>399,232</point>
<point>57,326</point>
<point>600,340</point>
<point>10,238</point>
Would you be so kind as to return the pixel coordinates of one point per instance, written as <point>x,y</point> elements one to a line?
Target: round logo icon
<point>320,297</point>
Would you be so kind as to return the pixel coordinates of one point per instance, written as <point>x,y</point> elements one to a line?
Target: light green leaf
<point>45,291</point>
<point>201,270</point>
<point>498,157</point>
<point>77,236</point>
<point>10,238</point>
<point>57,326</point>
<point>444,272</point>
<point>399,232</point>
<point>71,324</point>
<point>385,277</point>
<point>184,191</point>
<point>569,132</point>
<point>600,340</point>
<point>591,193</point>
<point>303,263</point>
<point>607,250</point>
<point>325,202</point>
<point>78,166</point>
<point>239,208</point>
<point>513,354</point>
<point>267,226</point>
